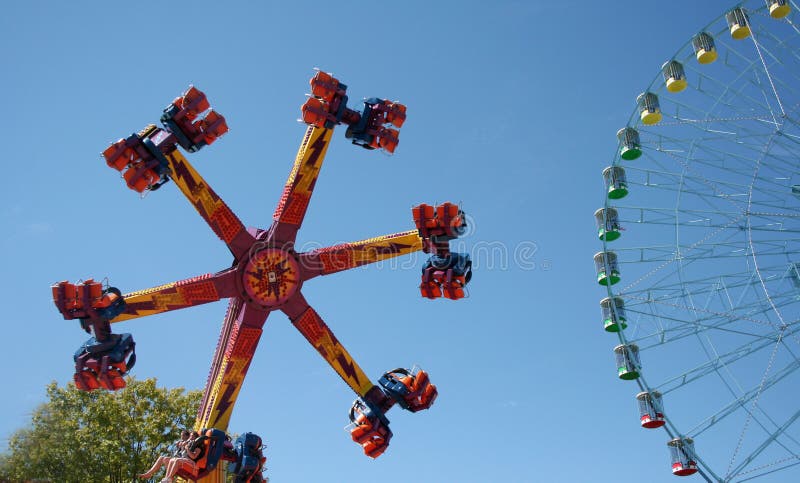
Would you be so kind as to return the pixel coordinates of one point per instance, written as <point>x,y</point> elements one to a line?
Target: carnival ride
<point>267,274</point>
<point>705,183</point>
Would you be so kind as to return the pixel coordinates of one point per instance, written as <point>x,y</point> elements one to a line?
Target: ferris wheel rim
<point>634,121</point>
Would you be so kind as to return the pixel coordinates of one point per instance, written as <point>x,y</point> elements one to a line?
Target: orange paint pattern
<point>295,208</point>
<point>225,223</point>
<point>307,323</point>
<point>317,333</point>
<point>246,343</point>
<point>197,292</point>
<point>336,258</point>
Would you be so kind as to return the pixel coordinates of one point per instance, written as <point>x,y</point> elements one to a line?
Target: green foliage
<point>98,436</point>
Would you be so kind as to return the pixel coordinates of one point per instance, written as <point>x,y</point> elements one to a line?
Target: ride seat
<point>139,177</point>
<point>213,126</point>
<point>451,219</point>
<point>314,112</point>
<point>324,86</point>
<point>453,286</point>
<point>411,389</point>
<point>430,288</point>
<point>424,219</point>
<point>197,470</point>
<point>371,435</point>
<point>395,114</point>
<point>388,139</point>
<point>190,104</point>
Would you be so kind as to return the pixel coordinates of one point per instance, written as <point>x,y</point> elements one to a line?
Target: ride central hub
<point>270,277</point>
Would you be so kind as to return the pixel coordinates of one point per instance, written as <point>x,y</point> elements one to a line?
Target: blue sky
<point>512,110</point>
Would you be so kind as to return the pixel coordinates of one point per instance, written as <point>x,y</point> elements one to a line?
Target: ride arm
<point>178,295</point>
<point>151,157</point>
<point>318,334</point>
<point>326,108</point>
<point>325,261</point>
<point>299,187</point>
<point>241,332</point>
<point>225,224</point>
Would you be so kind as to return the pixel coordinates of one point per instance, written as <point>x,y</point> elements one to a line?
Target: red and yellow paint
<point>171,296</point>
<point>271,276</point>
<point>266,275</point>
<point>351,255</point>
<point>297,193</point>
<point>320,336</point>
<point>225,224</point>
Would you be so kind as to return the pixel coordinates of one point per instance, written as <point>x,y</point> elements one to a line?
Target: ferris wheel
<point>700,259</point>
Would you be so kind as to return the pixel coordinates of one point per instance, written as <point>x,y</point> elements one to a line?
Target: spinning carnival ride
<point>267,274</point>
<point>702,287</point>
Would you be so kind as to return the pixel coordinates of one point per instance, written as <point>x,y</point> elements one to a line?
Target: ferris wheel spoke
<point>793,140</point>
<point>732,249</point>
<point>775,43</point>
<point>715,364</point>
<point>788,349</point>
<point>672,288</point>
<point>734,156</point>
<point>719,189</point>
<point>704,80</point>
<point>669,254</point>
<point>792,24</point>
<point>705,320</point>
<point>725,190</point>
<point>771,466</point>
<point>742,400</point>
<point>684,329</point>
<point>771,438</point>
<point>754,66</point>
<point>744,107</point>
<point>759,48</point>
<point>708,138</point>
<point>732,105</point>
<point>668,214</point>
<point>762,419</point>
<point>702,219</point>
<point>714,89</point>
<point>755,413</point>
<point>672,329</point>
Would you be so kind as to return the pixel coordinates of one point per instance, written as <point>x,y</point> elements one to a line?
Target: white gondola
<point>651,409</point>
<point>616,182</point>
<point>779,8</point>
<point>704,49</point>
<point>607,268</point>
<point>630,147</point>
<point>649,108</point>
<point>681,451</point>
<point>674,76</point>
<point>738,23</point>
<point>628,364</point>
<point>608,227</point>
<point>613,310</point>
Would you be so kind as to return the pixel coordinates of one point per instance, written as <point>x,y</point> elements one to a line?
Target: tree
<point>98,436</point>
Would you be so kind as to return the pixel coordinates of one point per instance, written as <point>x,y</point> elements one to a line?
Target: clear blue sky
<point>512,110</point>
